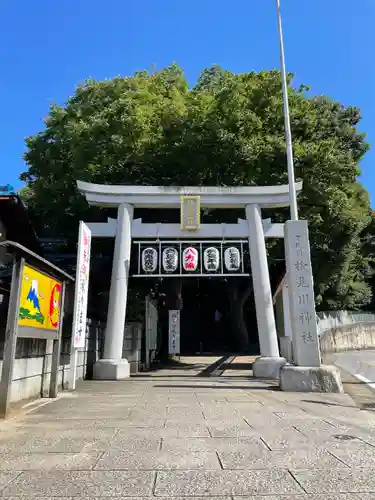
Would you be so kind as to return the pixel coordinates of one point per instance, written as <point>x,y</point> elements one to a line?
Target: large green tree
<point>152,128</point>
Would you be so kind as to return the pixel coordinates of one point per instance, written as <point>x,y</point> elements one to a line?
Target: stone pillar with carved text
<point>308,375</point>
<point>113,366</point>
<point>301,294</point>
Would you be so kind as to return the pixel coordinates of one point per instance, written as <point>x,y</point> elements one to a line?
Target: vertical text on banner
<point>82,286</point>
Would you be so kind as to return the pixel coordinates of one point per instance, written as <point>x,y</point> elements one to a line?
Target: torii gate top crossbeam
<point>170,196</point>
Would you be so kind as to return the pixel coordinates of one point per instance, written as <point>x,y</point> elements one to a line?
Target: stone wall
<point>348,338</point>
<point>32,368</point>
<point>132,346</point>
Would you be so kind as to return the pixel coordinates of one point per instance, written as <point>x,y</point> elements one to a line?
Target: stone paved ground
<point>178,435</point>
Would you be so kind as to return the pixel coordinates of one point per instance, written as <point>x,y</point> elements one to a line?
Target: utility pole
<point>288,133</point>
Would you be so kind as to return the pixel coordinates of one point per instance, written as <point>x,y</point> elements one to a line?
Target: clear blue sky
<point>48,47</point>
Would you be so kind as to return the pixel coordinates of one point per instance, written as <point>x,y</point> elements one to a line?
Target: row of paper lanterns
<point>190,259</point>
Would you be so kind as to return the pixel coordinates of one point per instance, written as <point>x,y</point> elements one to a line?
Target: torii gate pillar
<point>269,364</point>
<point>113,366</point>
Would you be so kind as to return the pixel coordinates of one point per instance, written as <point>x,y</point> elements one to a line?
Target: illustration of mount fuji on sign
<point>39,301</point>
<point>30,309</point>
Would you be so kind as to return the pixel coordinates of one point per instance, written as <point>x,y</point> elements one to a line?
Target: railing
<point>328,320</point>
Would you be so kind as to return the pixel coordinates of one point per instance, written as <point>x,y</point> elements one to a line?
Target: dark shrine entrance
<point>208,317</point>
<point>202,317</point>
<point>207,326</point>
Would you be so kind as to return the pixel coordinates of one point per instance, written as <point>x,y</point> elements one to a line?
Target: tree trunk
<point>174,294</point>
<point>236,321</point>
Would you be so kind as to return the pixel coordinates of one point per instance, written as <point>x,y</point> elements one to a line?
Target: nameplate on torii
<point>190,213</point>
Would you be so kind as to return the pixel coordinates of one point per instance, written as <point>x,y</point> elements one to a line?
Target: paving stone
<point>158,461</point>
<point>228,429</point>
<point>193,483</point>
<point>149,404</point>
<point>79,445</point>
<point>212,413</point>
<point>266,421</point>
<point>368,438</point>
<point>336,481</point>
<point>286,459</point>
<point>77,425</point>
<point>212,444</point>
<point>91,408</point>
<point>27,443</point>
<point>326,430</point>
<point>180,429</point>
<point>337,436</point>
<point>354,453</point>
<point>255,407</point>
<point>148,433</point>
<point>344,496</point>
<point>289,416</point>
<point>48,461</point>
<point>198,498</point>
<point>279,439</point>
<point>82,415</point>
<point>138,422</point>
<point>73,484</point>
<point>6,478</point>
<point>332,411</point>
<point>241,397</point>
<point>327,399</point>
<point>360,421</point>
<point>55,434</point>
<point>314,426</point>
<point>207,399</point>
<point>183,402</point>
<point>143,415</point>
<point>144,443</point>
<point>182,412</point>
<point>218,405</point>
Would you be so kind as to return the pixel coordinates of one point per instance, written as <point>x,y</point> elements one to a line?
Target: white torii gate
<point>252,199</point>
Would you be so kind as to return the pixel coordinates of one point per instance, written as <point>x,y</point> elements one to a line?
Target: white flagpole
<point>288,133</point>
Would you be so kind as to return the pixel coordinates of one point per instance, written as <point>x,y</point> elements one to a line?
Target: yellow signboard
<point>190,213</point>
<point>39,301</point>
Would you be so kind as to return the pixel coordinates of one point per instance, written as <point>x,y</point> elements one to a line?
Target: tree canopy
<point>228,129</point>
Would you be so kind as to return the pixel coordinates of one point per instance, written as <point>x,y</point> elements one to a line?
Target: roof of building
<point>15,217</point>
<point>18,228</point>
<point>42,264</point>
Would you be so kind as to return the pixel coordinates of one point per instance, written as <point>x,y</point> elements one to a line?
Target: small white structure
<point>283,320</point>
<point>191,199</point>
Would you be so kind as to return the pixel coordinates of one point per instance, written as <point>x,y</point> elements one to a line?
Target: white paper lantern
<point>170,260</point>
<point>232,259</point>
<point>211,259</point>
<point>190,259</point>
<point>149,260</point>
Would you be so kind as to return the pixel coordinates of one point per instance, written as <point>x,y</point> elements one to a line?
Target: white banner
<point>174,332</point>
<point>82,286</point>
